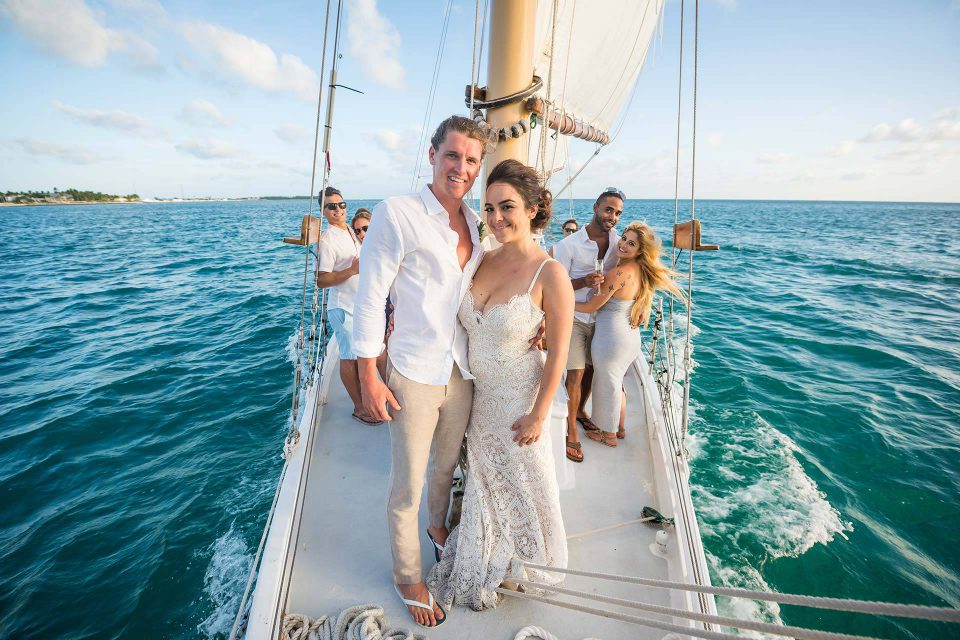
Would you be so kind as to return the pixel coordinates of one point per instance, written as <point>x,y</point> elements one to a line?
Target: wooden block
<point>686,235</point>
<point>314,226</point>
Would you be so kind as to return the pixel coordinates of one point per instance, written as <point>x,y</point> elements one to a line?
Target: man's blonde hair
<point>463,125</point>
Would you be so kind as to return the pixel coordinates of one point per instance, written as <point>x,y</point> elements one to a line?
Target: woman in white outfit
<point>622,306</point>
<point>511,503</point>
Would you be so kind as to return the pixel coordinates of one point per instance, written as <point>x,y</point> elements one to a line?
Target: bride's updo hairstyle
<point>527,183</point>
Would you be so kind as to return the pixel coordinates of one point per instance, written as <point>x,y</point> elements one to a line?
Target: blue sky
<point>814,100</point>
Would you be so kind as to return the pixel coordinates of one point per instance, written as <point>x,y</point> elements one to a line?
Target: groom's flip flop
<point>428,607</point>
<point>437,547</point>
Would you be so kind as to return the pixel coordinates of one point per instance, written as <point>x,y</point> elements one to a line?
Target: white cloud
<point>400,145</point>
<point>946,130</point>
<point>773,158</point>
<point>905,130</point>
<point>250,60</point>
<point>209,148</point>
<point>951,114</point>
<point>375,42</point>
<point>119,120</point>
<point>69,29</point>
<point>203,113</point>
<point>67,153</point>
<point>291,133</point>
<point>145,6</point>
<point>842,149</point>
<point>714,139</point>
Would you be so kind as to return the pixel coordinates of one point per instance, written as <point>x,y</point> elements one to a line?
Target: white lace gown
<point>511,502</point>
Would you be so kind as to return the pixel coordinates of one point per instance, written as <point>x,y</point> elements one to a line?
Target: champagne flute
<point>598,265</point>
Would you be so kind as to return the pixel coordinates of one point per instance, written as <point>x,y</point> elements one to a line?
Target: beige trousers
<point>428,429</point>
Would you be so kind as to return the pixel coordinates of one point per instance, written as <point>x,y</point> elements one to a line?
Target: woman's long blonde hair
<point>653,274</point>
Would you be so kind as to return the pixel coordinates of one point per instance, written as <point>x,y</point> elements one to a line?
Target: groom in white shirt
<point>421,250</point>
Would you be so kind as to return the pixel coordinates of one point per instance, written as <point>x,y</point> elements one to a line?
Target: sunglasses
<point>359,230</point>
<point>333,206</point>
<point>614,192</point>
<point>569,229</point>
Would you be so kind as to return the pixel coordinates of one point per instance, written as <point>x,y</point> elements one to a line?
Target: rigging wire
<point>428,113</point>
<point>320,305</point>
<point>306,255</point>
<point>676,198</point>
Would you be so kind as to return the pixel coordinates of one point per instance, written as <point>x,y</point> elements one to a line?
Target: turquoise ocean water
<point>145,381</point>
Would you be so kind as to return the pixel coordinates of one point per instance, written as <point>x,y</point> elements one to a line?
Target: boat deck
<point>342,553</point>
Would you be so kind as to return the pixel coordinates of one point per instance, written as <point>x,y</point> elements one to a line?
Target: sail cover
<point>589,54</point>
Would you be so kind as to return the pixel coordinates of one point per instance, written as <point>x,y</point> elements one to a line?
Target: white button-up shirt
<point>410,252</point>
<point>578,254</point>
<point>338,248</point>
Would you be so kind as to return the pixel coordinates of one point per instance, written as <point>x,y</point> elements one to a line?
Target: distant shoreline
<point>147,201</point>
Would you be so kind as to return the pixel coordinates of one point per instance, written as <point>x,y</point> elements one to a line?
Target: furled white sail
<point>589,54</point>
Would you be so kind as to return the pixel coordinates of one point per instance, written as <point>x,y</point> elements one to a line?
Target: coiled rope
<point>362,622</point>
<point>537,633</point>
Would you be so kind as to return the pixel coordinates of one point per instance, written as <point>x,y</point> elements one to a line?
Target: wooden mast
<point>509,70</point>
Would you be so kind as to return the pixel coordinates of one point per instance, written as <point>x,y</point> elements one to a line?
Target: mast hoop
<point>479,95</point>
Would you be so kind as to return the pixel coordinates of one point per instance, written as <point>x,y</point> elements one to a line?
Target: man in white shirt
<point>579,253</point>
<point>421,249</point>
<point>337,268</point>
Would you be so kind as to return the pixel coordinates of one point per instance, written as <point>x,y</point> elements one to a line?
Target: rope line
<point>800,633</point>
<point>923,612</point>
<point>646,622</point>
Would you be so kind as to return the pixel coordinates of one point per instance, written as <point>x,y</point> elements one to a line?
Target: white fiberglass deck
<point>342,553</point>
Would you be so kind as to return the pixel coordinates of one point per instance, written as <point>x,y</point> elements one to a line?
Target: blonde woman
<point>622,306</point>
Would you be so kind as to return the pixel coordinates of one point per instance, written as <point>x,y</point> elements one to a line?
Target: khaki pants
<point>429,428</point>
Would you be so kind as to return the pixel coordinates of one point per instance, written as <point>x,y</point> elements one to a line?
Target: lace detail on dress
<point>511,503</point>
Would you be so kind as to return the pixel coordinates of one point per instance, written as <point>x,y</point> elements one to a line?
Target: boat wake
<point>224,581</point>
<point>755,503</point>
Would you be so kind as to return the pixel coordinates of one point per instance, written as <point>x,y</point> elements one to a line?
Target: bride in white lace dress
<point>511,503</point>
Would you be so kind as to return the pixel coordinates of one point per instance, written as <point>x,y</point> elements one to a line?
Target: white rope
<point>800,633</point>
<point>361,622</point>
<point>537,633</point>
<point>646,622</point>
<point>923,612</point>
<point>584,534</point>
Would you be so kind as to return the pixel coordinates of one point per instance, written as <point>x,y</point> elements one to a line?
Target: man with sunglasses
<point>579,252</point>
<point>337,270</point>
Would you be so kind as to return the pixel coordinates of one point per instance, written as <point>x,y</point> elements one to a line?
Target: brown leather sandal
<point>576,446</point>
<point>608,438</point>
<point>621,433</point>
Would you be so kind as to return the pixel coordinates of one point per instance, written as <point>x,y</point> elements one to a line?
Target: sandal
<point>588,425</point>
<point>437,548</point>
<point>367,421</point>
<point>621,433</point>
<point>576,447</point>
<point>608,438</point>
<point>429,607</point>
